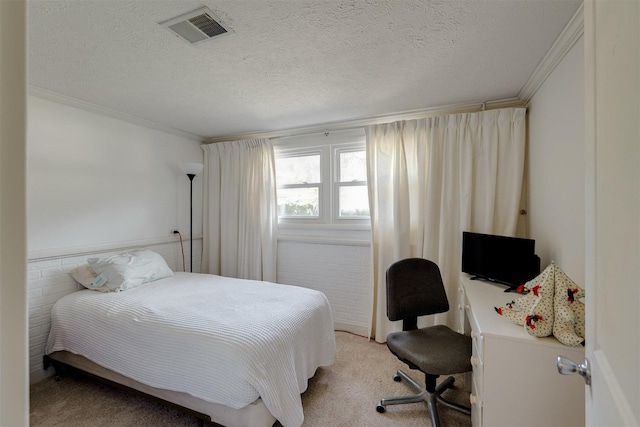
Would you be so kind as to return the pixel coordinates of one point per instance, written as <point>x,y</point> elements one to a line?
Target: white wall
<point>556,167</point>
<point>96,186</point>
<point>93,179</point>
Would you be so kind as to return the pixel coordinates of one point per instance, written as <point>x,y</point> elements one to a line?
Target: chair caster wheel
<point>397,378</point>
<point>380,409</point>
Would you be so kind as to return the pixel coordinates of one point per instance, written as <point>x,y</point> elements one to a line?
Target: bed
<point>237,352</point>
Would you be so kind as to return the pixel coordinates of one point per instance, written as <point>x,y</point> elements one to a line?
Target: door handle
<point>568,367</point>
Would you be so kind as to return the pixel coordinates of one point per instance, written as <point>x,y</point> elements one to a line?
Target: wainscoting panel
<point>341,270</point>
<point>48,280</point>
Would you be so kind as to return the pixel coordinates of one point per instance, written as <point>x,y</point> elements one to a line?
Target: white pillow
<point>128,270</point>
<point>85,275</point>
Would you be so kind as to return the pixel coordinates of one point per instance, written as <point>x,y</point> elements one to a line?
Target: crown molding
<point>565,41</point>
<point>386,118</point>
<point>94,108</point>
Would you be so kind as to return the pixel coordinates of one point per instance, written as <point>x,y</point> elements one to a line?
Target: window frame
<point>337,184</point>
<point>302,152</point>
<point>328,196</point>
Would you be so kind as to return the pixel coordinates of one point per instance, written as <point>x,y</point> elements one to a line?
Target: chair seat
<point>449,352</point>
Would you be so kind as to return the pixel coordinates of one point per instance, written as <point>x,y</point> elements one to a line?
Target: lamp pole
<point>191,169</point>
<point>191,176</point>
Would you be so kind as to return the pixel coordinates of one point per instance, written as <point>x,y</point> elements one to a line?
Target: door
<point>612,73</point>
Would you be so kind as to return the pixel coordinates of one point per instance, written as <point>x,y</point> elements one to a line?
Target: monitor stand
<point>510,287</point>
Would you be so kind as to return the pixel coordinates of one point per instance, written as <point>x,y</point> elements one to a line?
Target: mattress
<point>223,340</point>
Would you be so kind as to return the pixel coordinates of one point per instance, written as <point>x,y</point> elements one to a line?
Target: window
<point>322,184</point>
<point>351,183</point>
<point>299,184</point>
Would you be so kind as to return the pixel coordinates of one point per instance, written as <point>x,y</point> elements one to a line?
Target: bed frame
<point>255,414</point>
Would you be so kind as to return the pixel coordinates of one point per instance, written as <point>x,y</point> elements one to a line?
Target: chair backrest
<point>414,288</point>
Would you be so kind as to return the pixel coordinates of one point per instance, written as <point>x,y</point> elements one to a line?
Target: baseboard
<point>361,330</point>
<point>38,375</point>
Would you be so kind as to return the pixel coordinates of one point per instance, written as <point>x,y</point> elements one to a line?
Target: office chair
<point>415,288</point>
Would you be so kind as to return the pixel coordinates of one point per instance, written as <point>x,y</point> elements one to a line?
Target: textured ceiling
<point>290,63</point>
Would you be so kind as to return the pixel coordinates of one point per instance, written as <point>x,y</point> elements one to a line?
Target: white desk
<point>515,381</point>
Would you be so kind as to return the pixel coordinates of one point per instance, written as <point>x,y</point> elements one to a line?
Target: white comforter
<point>223,340</point>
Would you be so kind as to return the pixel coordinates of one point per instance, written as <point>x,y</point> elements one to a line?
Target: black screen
<point>508,260</point>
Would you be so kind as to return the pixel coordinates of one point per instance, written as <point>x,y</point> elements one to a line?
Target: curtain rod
<point>354,124</point>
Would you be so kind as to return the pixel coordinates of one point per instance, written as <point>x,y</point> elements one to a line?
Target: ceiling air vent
<point>197,26</point>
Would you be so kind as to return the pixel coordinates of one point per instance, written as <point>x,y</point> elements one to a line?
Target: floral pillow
<point>535,309</point>
<point>551,306</point>
<point>539,318</point>
<point>569,324</point>
<point>516,310</point>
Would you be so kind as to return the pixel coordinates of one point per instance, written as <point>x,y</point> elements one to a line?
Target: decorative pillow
<point>569,324</point>
<point>579,321</point>
<point>128,270</point>
<point>552,306</point>
<point>85,275</point>
<point>510,312</point>
<point>539,319</point>
<point>517,309</point>
<point>535,309</point>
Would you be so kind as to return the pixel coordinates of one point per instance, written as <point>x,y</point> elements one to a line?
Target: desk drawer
<point>475,399</point>
<point>461,312</point>
<point>477,362</point>
<point>476,337</point>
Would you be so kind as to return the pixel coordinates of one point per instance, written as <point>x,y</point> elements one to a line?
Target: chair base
<point>429,395</point>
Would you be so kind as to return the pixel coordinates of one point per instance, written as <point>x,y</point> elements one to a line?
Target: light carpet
<point>344,394</point>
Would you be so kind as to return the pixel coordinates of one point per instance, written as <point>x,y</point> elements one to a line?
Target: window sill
<point>324,227</point>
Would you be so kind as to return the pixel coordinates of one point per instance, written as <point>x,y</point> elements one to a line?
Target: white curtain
<point>430,180</point>
<point>239,210</point>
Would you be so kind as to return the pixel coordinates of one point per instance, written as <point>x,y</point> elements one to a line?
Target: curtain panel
<point>239,210</point>
<point>431,179</point>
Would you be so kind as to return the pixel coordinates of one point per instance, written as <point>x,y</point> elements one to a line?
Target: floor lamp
<point>191,169</point>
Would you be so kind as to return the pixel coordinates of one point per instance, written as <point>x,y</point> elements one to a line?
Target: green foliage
<point>299,208</point>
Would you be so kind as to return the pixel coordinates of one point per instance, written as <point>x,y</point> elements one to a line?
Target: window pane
<point>298,169</point>
<point>353,166</point>
<point>354,202</point>
<point>301,202</point>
